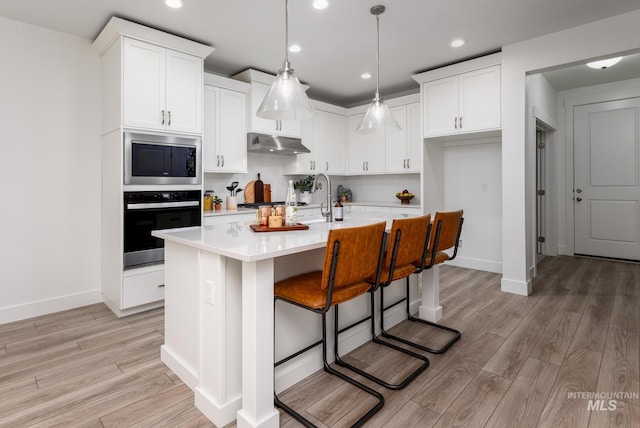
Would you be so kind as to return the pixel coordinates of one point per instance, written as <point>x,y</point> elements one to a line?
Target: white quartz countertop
<point>235,239</point>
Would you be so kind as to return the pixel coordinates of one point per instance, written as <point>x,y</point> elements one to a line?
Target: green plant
<point>217,200</point>
<point>304,184</point>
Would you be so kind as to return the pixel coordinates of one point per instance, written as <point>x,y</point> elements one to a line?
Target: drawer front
<point>142,289</point>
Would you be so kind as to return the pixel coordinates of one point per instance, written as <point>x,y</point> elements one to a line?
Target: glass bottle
<point>291,206</point>
<point>337,211</point>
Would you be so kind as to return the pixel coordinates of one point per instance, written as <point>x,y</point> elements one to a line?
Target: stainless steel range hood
<point>274,144</point>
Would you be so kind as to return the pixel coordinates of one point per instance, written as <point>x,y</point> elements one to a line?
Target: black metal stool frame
<point>423,266</point>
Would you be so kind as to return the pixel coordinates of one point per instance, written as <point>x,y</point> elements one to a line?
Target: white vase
<point>305,197</point>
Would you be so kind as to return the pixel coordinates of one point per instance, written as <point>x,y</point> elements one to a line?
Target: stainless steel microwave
<point>162,159</point>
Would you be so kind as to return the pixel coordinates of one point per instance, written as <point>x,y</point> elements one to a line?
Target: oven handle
<point>151,205</point>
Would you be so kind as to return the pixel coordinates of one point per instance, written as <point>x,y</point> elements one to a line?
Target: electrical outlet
<point>209,292</point>
<point>459,243</point>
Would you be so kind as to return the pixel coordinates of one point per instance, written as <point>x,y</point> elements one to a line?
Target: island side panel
<point>181,349</point>
<point>219,391</point>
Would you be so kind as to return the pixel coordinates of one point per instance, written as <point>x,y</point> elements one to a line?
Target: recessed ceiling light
<point>366,75</point>
<point>176,4</point>
<point>605,63</point>
<point>320,4</point>
<point>457,43</point>
<point>295,48</point>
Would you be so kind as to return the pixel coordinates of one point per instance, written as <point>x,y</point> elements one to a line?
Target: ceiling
<point>338,43</point>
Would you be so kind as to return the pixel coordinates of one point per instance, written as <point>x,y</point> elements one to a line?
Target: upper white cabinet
<point>224,138</point>
<point>162,88</point>
<point>461,99</point>
<point>151,80</point>
<point>367,152</point>
<point>326,136</point>
<point>403,147</point>
<point>260,84</point>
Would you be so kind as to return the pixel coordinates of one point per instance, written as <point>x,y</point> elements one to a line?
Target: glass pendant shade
<point>286,99</point>
<point>378,116</point>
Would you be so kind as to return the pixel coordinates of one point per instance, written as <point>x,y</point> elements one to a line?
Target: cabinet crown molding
<point>225,82</point>
<point>459,68</point>
<point>117,27</point>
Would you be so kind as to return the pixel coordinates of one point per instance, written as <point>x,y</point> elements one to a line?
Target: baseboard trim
<point>522,288</point>
<point>477,264</point>
<point>220,415</point>
<point>48,306</point>
<point>188,376</point>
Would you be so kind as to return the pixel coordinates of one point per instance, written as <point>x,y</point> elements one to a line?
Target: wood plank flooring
<point>517,364</point>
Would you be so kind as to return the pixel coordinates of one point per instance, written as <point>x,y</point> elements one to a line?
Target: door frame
<point>614,92</point>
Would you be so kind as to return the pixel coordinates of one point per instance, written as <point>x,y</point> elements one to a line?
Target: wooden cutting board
<point>249,192</point>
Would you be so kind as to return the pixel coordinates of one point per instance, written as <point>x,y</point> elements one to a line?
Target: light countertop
<point>236,240</point>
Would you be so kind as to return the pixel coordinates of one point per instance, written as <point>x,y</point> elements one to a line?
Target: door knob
<point>578,190</point>
<point>578,199</point>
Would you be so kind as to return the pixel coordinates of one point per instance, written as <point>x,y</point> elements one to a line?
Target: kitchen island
<point>219,313</point>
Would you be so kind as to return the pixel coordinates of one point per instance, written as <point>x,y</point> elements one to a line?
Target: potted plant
<point>304,186</point>
<point>217,203</point>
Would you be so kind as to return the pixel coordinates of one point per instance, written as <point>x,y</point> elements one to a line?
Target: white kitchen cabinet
<point>462,103</point>
<point>224,137</point>
<point>139,81</point>
<point>326,136</point>
<point>403,147</point>
<point>162,88</point>
<point>367,152</point>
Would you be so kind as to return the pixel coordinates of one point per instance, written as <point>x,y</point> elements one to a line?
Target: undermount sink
<point>313,220</point>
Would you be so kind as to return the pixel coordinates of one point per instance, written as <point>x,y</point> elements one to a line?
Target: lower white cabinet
<point>224,139</point>
<point>140,288</point>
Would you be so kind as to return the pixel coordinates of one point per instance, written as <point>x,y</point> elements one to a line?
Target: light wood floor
<point>517,361</point>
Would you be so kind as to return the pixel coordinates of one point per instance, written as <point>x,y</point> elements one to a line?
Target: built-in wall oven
<point>145,211</point>
<point>162,159</point>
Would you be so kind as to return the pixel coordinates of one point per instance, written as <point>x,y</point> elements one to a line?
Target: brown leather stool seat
<point>448,226</point>
<point>352,255</point>
<point>406,247</point>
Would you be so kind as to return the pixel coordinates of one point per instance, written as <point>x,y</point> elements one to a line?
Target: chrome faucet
<point>326,214</point>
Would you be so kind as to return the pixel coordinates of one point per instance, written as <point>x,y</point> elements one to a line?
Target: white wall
<point>50,179</point>
<point>473,182</point>
<point>597,39</point>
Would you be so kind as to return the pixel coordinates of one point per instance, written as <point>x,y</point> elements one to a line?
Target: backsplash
<point>273,170</point>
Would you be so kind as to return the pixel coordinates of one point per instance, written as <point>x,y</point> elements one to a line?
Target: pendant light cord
<point>378,57</point>
<point>286,33</point>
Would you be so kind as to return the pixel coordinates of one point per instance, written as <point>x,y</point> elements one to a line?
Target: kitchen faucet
<point>326,214</point>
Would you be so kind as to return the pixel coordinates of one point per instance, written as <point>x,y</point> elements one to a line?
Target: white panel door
<point>479,100</point>
<point>184,92</point>
<point>607,183</point>
<point>440,105</point>
<point>144,85</point>
<point>232,142</point>
<point>335,132</point>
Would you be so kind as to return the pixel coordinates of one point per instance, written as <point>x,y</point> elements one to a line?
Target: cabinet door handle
<point>404,163</point>
<point>326,166</point>
<point>460,122</point>
<point>222,156</point>
<point>367,165</point>
<point>218,158</point>
<point>408,165</point>
<point>455,123</point>
<point>169,121</point>
<point>363,166</point>
<point>162,117</point>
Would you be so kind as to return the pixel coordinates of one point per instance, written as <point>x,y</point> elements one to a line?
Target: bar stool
<point>448,226</point>
<point>352,256</point>
<point>407,248</point>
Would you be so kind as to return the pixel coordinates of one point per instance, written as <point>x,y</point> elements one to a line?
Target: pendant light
<point>286,100</point>
<point>378,115</point>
